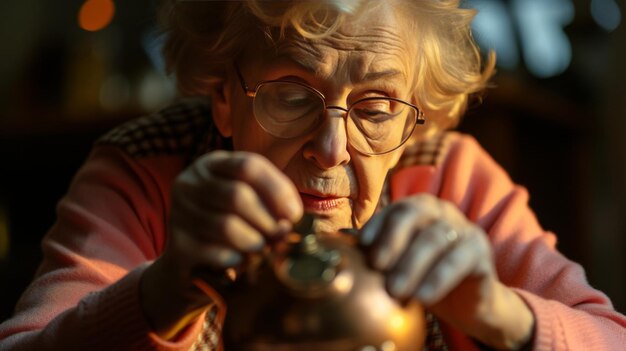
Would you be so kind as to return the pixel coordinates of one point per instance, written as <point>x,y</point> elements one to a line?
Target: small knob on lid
<point>309,267</point>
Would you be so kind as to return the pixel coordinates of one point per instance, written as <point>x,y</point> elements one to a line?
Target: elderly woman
<point>335,108</point>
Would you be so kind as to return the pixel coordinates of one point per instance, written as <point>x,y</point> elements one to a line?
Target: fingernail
<point>295,210</point>
<point>283,227</point>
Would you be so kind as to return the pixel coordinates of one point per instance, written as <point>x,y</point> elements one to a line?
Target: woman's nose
<point>328,146</point>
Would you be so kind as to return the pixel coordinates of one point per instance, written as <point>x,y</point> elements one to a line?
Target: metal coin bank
<point>317,293</point>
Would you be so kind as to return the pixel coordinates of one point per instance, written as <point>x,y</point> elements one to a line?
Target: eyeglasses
<point>374,125</point>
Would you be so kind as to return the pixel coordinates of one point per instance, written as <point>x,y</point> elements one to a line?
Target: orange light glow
<point>94,15</point>
<point>398,322</point>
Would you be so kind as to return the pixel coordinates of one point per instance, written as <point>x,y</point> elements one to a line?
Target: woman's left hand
<point>428,250</point>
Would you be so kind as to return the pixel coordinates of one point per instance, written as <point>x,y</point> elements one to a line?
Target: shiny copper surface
<point>318,295</point>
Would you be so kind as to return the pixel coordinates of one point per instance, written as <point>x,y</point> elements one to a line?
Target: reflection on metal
<point>318,294</point>
<point>606,13</point>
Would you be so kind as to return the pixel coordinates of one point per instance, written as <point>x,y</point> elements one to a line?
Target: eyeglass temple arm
<point>244,86</point>
<point>420,117</point>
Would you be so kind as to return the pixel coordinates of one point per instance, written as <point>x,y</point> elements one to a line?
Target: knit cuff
<point>548,333</point>
<point>119,322</point>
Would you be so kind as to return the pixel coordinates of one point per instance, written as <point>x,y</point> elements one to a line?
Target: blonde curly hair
<point>205,37</point>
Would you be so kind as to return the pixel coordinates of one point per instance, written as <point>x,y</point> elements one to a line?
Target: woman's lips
<point>314,203</point>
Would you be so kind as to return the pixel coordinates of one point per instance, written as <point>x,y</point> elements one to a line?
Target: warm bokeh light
<point>94,15</point>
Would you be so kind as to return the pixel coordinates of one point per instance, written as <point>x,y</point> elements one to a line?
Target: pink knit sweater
<point>111,225</point>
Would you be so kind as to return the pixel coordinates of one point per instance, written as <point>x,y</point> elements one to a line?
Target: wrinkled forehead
<point>373,41</point>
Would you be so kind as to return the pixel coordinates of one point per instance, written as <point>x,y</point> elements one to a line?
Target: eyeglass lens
<point>374,125</point>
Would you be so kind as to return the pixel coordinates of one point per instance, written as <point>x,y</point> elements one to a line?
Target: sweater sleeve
<point>570,314</point>
<point>109,227</point>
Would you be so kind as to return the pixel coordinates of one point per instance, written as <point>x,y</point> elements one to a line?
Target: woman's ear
<point>220,93</point>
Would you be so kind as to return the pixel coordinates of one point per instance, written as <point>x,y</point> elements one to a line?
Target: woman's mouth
<point>320,204</point>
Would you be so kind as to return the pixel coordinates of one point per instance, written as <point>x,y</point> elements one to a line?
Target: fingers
<point>429,245</point>
<point>388,248</point>
<point>243,184</point>
<point>225,205</point>
<point>402,220</point>
<point>438,261</point>
<point>217,227</point>
<point>426,248</point>
<point>204,253</point>
<point>275,190</point>
<point>226,196</point>
<point>458,263</point>
<point>193,216</point>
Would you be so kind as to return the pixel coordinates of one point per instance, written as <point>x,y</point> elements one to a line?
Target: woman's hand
<point>429,251</point>
<point>224,206</point>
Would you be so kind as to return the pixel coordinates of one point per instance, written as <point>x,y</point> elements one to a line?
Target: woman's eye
<point>378,109</point>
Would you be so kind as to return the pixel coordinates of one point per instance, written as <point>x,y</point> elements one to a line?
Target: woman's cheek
<point>366,204</point>
<point>371,176</point>
<point>362,214</point>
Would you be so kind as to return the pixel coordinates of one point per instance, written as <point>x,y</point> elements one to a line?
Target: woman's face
<point>367,57</point>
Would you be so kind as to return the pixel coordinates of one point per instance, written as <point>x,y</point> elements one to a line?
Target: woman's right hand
<point>224,206</point>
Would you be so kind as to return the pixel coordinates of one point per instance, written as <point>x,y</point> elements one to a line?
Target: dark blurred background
<point>554,119</point>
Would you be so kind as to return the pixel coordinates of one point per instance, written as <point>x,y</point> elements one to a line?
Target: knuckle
<point>447,207</point>
<point>218,155</point>
<point>424,199</point>
<point>402,208</point>
<point>438,233</point>
<point>183,181</point>
<point>422,206</point>
<point>208,160</point>
<point>248,163</point>
<point>431,236</point>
